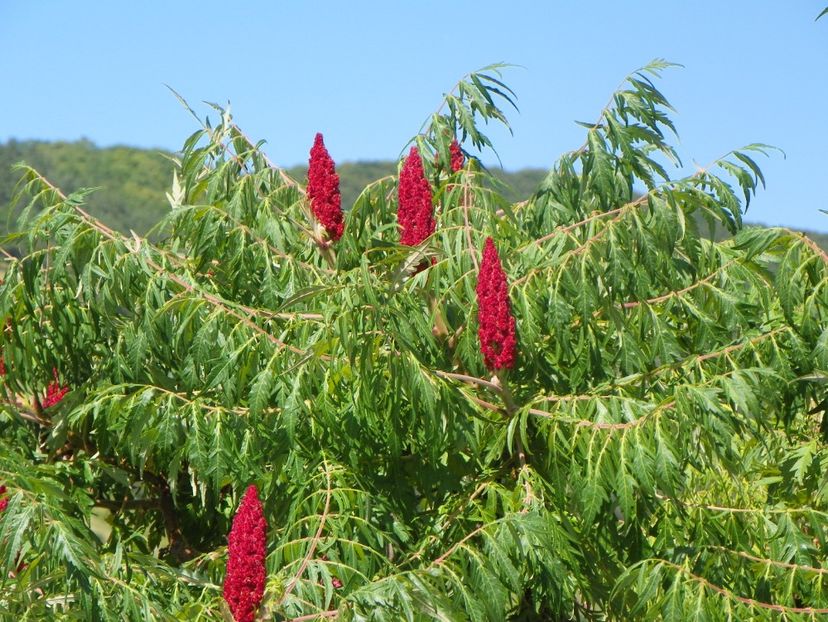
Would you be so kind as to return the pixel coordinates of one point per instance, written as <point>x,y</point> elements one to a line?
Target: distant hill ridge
<point>133,181</point>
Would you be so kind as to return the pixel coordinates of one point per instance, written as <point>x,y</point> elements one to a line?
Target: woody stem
<point>440,329</point>
<point>511,409</point>
<point>328,253</point>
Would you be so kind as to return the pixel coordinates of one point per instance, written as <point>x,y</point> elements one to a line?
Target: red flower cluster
<point>494,315</point>
<point>54,392</point>
<point>246,549</point>
<point>4,503</point>
<point>415,212</point>
<point>457,158</point>
<point>323,190</point>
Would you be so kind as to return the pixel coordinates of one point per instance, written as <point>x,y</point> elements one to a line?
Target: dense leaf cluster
<point>656,452</point>
<point>130,181</point>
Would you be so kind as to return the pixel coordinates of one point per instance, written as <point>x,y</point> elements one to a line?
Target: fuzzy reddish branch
<point>415,212</point>
<point>496,324</point>
<point>323,190</point>
<point>244,582</point>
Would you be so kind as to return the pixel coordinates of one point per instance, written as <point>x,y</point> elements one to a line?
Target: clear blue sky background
<point>366,74</point>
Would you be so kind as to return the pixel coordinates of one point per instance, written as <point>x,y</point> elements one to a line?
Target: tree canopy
<point>130,181</point>
<point>654,450</point>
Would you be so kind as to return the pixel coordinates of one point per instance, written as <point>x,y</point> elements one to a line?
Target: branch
<point>617,212</point>
<point>444,525</point>
<point>212,299</point>
<point>600,425</point>
<point>333,613</point>
<point>673,294</point>
<point>768,562</point>
<point>469,380</point>
<point>129,504</point>
<point>466,222</point>
<point>21,411</point>
<point>295,579</point>
<point>810,243</point>
<point>577,250</point>
<point>699,358</point>
<point>279,253</point>
<point>511,409</point>
<point>285,177</point>
<point>732,510</point>
<point>593,216</point>
<point>441,560</point>
<point>742,599</point>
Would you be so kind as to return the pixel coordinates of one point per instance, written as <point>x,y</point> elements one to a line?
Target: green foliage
<point>658,452</point>
<point>129,182</point>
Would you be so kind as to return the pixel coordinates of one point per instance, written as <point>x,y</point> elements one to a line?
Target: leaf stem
<point>501,380</point>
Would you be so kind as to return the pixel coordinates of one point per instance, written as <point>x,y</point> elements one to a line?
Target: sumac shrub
<point>640,435</point>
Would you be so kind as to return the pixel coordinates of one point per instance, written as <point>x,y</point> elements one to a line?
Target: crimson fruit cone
<point>323,190</point>
<point>244,582</point>
<point>496,324</point>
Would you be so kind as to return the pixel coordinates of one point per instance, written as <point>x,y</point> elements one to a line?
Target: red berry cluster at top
<point>415,212</point>
<point>4,502</point>
<point>323,190</point>
<point>494,315</point>
<point>54,391</point>
<point>457,158</point>
<point>244,582</point>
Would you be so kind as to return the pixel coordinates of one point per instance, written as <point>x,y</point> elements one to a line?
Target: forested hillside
<point>131,182</point>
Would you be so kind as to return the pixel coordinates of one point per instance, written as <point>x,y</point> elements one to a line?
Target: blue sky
<point>366,74</point>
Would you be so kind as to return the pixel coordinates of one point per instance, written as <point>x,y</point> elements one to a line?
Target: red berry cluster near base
<point>496,324</point>
<point>54,391</point>
<point>4,502</point>
<point>244,582</point>
<point>323,190</point>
